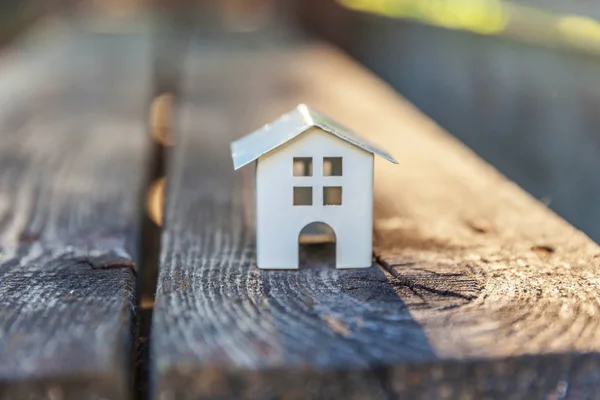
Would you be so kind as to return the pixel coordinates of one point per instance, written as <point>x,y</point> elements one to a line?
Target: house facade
<point>296,186</point>
<point>310,170</point>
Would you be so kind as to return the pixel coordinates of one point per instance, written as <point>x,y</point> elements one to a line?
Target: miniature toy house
<point>310,169</point>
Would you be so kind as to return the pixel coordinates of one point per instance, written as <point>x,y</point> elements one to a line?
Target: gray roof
<point>288,126</point>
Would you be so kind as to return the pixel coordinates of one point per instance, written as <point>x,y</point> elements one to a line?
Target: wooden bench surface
<point>476,289</point>
<point>72,167</point>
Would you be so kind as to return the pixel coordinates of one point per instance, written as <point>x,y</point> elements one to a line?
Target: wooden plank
<point>478,97</point>
<point>480,289</point>
<point>72,161</point>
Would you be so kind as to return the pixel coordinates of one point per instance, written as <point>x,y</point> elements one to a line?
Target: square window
<point>303,166</point>
<point>332,196</point>
<point>303,195</point>
<point>332,166</point>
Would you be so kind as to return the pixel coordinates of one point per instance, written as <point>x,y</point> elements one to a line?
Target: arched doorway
<point>317,246</point>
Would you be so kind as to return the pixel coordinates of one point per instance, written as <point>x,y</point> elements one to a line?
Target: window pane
<point>302,196</point>
<point>332,166</point>
<point>332,196</point>
<point>303,166</point>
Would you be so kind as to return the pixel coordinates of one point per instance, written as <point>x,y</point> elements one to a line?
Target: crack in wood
<point>411,284</point>
<point>119,264</point>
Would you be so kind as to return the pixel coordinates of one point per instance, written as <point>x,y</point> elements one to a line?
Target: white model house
<point>310,169</point>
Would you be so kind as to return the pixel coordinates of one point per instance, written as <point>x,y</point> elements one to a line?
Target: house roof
<point>288,126</point>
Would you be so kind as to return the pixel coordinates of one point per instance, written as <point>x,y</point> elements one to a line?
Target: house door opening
<point>317,246</point>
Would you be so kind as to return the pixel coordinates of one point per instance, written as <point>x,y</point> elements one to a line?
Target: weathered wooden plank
<point>72,161</point>
<point>492,96</point>
<point>480,290</point>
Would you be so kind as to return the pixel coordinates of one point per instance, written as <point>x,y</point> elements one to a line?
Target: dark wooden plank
<point>72,161</point>
<point>480,289</point>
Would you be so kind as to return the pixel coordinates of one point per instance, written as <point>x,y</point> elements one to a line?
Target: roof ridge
<point>288,126</point>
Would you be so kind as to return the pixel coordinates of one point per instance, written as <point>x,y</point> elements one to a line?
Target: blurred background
<point>518,82</point>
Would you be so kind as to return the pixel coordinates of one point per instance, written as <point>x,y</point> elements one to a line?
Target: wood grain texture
<point>480,290</point>
<point>72,160</point>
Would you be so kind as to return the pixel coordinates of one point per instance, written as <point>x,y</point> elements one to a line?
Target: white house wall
<point>279,222</point>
